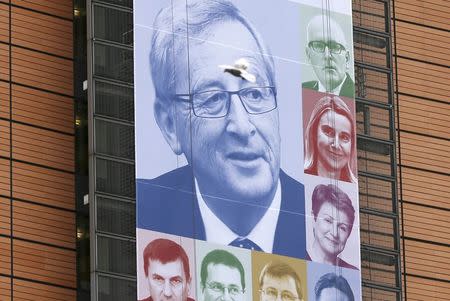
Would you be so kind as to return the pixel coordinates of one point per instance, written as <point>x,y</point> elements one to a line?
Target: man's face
<point>168,281</point>
<point>222,283</point>
<point>237,156</point>
<point>275,288</point>
<point>329,67</point>
<point>334,140</point>
<point>332,294</point>
<point>331,228</point>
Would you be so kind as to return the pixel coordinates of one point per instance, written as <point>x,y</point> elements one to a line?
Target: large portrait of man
<point>216,102</point>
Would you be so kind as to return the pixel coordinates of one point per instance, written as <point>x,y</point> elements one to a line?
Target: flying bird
<point>239,69</point>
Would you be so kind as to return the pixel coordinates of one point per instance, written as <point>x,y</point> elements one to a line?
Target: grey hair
<point>175,23</point>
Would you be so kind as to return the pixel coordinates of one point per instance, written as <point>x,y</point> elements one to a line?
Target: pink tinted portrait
<point>329,136</point>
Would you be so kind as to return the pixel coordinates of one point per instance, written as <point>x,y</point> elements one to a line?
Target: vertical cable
<point>191,111</point>
<point>11,154</point>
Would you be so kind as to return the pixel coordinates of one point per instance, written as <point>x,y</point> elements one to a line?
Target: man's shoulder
<point>291,218</point>
<point>348,87</point>
<point>181,177</point>
<point>314,85</point>
<point>176,185</point>
<point>168,204</point>
<point>292,194</point>
<point>287,182</point>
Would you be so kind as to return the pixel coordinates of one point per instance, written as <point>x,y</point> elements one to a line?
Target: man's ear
<point>165,118</point>
<point>347,60</point>
<point>308,52</point>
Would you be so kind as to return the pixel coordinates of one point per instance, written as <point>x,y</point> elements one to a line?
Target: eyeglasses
<point>216,103</point>
<point>333,47</point>
<point>219,288</point>
<point>272,295</point>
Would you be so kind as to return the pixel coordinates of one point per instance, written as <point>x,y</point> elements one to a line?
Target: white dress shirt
<point>263,234</point>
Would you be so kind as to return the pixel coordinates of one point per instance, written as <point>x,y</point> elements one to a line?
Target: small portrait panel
<point>328,283</point>
<point>223,273</point>
<point>329,131</point>
<point>332,222</point>
<point>328,51</point>
<point>278,278</point>
<point>165,267</point>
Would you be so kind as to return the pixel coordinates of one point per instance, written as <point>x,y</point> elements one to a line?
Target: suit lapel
<point>198,228</point>
<point>290,232</point>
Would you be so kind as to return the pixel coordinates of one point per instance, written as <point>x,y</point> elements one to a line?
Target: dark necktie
<point>246,243</point>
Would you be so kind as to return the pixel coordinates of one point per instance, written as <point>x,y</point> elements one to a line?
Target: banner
<point>246,172</point>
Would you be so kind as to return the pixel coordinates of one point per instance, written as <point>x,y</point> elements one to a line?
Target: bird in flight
<point>239,69</point>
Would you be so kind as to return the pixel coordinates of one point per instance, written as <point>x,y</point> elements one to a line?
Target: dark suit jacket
<point>347,88</point>
<point>169,204</point>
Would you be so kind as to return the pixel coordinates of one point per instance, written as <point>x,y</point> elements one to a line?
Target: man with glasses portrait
<point>326,50</point>
<point>279,281</point>
<point>225,121</point>
<point>222,277</point>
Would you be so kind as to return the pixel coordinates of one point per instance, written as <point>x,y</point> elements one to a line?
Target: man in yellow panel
<point>279,281</point>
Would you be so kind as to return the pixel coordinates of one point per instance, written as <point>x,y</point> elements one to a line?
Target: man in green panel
<point>222,277</point>
<point>327,52</point>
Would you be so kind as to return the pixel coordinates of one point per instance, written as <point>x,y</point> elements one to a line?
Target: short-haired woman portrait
<point>333,218</point>
<point>330,140</point>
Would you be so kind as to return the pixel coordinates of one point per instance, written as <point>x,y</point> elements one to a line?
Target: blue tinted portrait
<point>216,104</point>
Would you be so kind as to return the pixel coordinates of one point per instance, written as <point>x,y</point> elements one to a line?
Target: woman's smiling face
<point>334,140</point>
<point>332,228</point>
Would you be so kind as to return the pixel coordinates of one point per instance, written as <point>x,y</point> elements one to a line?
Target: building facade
<point>67,192</point>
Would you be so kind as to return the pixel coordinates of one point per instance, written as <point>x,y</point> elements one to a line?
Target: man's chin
<point>330,80</point>
<point>251,190</point>
<point>244,182</point>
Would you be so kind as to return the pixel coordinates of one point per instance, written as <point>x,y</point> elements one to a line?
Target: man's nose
<point>239,122</point>
<point>327,51</point>
<point>226,296</point>
<point>167,289</point>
